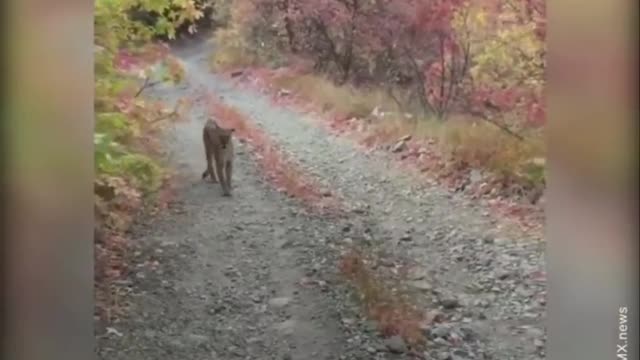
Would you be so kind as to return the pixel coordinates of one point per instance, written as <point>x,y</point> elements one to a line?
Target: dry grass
<point>473,141</point>
<point>393,313</point>
<point>344,100</point>
<point>230,55</point>
<point>463,140</point>
<point>482,145</point>
<point>232,47</point>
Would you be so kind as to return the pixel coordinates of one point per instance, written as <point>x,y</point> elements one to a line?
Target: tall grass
<point>462,139</point>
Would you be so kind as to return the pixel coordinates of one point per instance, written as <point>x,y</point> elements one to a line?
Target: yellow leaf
<point>481,18</point>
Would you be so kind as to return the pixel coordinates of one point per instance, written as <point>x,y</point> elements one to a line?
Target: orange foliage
<point>393,313</point>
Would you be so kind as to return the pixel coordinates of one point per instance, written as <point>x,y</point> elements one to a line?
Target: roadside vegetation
<point>462,79</point>
<point>129,173</point>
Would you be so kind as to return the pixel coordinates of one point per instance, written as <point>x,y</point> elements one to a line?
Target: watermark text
<point>623,334</point>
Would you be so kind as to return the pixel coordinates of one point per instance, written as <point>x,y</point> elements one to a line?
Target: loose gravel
<point>232,271</point>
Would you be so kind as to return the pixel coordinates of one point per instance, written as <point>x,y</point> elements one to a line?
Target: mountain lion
<point>218,143</point>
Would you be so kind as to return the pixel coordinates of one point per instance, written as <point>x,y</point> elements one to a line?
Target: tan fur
<point>218,144</point>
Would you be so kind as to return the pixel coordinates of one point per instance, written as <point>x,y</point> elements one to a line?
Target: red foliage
<point>409,43</point>
<point>536,11</point>
<point>536,113</point>
<point>530,105</point>
<point>393,314</point>
<point>128,60</point>
<point>125,61</point>
<point>435,15</point>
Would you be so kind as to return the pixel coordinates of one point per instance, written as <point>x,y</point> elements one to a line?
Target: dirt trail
<point>227,285</point>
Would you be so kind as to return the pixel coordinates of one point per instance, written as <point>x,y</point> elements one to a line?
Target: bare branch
<point>146,85</point>
<point>500,126</point>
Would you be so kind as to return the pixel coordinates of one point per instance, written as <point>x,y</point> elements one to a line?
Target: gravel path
<point>228,282</point>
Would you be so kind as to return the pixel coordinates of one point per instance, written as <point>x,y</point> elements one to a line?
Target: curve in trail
<point>244,277</point>
<point>226,258</point>
<point>495,273</point>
